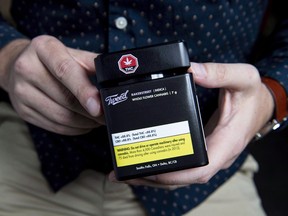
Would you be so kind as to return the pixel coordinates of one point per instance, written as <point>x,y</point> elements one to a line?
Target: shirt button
<point>121,22</point>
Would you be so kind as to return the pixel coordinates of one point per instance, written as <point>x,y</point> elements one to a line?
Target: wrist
<point>8,54</point>
<point>280,112</point>
<point>280,98</point>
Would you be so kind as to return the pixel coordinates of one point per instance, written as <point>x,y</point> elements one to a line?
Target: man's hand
<point>49,87</point>
<point>245,105</point>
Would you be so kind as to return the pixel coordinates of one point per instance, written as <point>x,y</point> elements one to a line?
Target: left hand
<point>245,105</point>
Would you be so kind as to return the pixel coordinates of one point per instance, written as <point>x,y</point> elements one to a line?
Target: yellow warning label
<point>152,150</point>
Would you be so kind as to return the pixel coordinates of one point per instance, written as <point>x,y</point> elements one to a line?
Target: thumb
<point>217,75</point>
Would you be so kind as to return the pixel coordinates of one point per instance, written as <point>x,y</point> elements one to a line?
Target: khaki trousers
<point>24,191</point>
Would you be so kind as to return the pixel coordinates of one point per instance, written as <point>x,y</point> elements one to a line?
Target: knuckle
<point>217,73</point>
<point>206,175</point>
<point>252,73</point>
<point>43,41</point>
<point>21,66</point>
<point>220,72</point>
<point>49,44</point>
<point>203,179</point>
<point>63,68</point>
<point>69,99</point>
<point>19,91</point>
<point>66,117</point>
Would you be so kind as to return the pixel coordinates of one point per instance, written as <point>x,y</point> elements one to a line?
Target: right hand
<point>49,87</point>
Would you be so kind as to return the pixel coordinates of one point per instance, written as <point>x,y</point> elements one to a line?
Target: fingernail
<point>92,106</point>
<point>198,70</point>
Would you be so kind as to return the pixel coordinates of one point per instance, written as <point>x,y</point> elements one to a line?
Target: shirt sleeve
<point>274,63</point>
<point>8,33</point>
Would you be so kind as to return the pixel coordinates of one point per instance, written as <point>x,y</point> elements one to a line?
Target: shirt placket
<point>120,35</point>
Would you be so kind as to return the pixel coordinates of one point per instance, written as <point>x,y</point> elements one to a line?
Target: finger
<point>36,118</point>
<point>71,74</point>
<point>183,177</point>
<point>57,92</point>
<point>232,76</point>
<point>199,175</point>
<point>144,182</point>
<point>39,77</point>
<point>219,154</point>
<point>52,111</point>
<point>84,59</point>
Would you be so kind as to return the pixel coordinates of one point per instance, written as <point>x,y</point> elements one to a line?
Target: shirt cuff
<point>8,33</point>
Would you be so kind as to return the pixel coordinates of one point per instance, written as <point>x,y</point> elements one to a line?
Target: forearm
<point>275,64</point>
<point>8,54</point>
<point>11,44</point>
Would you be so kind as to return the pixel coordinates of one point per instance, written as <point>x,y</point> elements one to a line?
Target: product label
<point>152,94</point>
<point>116,98</point>
<point>153,143</point>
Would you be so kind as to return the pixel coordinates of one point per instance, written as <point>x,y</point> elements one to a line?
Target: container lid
<point>136,62</point>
